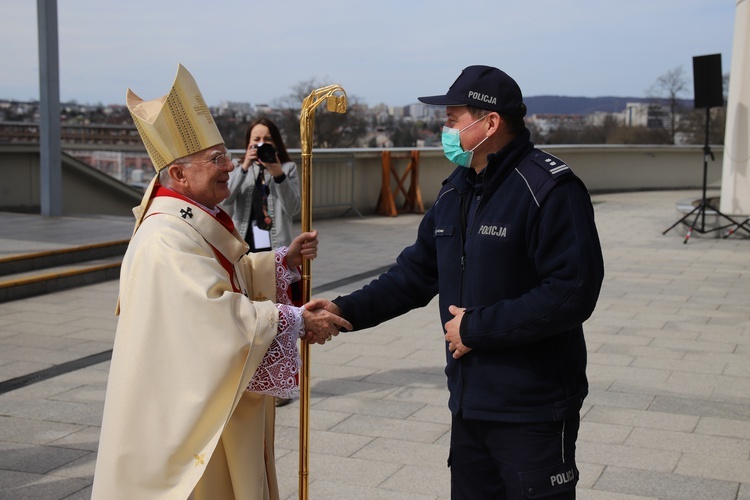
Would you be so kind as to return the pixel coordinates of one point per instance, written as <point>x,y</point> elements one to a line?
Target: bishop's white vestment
<point>197,316</point>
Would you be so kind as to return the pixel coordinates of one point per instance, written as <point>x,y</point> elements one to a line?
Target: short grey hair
<point>164,178</point>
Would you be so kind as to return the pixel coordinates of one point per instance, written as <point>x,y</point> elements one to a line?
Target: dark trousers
<point>513,461</point>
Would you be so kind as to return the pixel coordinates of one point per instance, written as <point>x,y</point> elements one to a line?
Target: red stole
<point>222,217</point>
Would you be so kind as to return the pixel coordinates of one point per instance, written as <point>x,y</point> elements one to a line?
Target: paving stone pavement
<point>668,416</point>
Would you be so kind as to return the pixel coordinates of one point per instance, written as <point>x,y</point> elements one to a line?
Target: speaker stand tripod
<point>700,209</point>
<point>745,224</point>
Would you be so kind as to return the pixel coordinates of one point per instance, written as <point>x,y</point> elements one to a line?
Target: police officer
<point>511,247</point>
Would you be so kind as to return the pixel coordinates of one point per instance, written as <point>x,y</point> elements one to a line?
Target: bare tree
<point>332,130</point>
<point>668,88</point>
<point>693,122</point>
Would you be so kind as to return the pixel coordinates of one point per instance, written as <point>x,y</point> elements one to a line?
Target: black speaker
<point>707,81</point>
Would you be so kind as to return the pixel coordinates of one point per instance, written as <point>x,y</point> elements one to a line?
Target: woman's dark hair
<point>278,141</point>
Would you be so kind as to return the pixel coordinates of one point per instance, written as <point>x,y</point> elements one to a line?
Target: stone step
<point>62,256</point>
<point>27,275</point>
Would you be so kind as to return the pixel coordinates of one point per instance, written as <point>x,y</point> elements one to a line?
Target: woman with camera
<point>264,193</point>
<point>265,190</point>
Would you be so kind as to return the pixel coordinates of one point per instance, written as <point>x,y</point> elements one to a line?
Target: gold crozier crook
<point>335,104</point>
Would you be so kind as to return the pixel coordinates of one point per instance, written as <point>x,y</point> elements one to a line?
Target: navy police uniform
<point>516,245</point>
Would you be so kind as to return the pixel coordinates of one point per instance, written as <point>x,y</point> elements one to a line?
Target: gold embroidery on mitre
<point>260,297</point>
<point>153,152</point>
<point>201,108</point>
<point>199,459</point>
<point>175,125</point>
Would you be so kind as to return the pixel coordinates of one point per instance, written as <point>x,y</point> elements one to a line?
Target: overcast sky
<point>388,51</point>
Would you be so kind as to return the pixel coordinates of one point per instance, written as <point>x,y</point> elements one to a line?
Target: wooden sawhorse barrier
<point>412,197</point>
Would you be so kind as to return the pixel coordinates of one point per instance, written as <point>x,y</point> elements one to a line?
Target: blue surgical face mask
<point>451,140</point>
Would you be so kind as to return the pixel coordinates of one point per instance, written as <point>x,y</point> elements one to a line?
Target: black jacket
<point>515,245</point>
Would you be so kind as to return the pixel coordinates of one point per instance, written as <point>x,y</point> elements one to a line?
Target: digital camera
<point>266,152</point>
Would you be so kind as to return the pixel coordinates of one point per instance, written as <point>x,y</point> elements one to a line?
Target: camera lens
<point>266,153</point>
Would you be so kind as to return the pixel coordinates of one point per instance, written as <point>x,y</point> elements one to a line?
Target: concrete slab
<point>667,417</point>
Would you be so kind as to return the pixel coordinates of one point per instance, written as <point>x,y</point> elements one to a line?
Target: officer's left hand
<point>452,335</point>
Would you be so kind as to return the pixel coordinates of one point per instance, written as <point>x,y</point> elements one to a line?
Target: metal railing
<point>333,187</point>
<point>333,180</point>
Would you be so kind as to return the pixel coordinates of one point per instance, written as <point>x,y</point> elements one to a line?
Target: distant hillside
<point>562,105</point>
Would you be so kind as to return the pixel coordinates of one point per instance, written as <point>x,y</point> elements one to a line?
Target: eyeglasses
<point>219,160</point>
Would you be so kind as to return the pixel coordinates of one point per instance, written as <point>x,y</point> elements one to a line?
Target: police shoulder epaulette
<point>554,166</point>
<point>541,172</point>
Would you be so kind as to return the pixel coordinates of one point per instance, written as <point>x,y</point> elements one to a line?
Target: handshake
<point>323,321</point>
<point>322,317</point>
